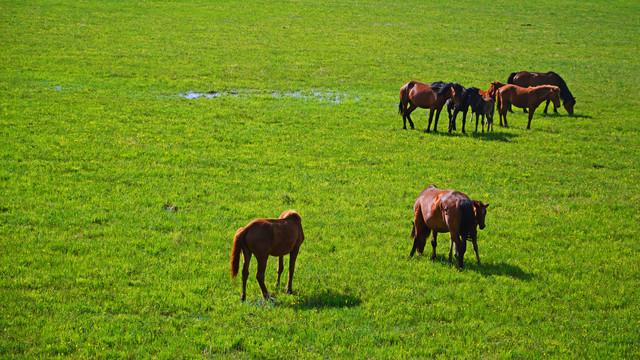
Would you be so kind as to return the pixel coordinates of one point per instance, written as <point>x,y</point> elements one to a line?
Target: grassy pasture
<point>95,143</point>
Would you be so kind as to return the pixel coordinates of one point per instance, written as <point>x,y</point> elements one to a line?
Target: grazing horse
<point>526,79</point>
<point>442,211</point>
<point>264,237</point>
<point>461,99</point>
<point>521,97</point>
<point>416,94</point>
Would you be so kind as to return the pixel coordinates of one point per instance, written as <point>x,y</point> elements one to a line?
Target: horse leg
<point>430,119</point>
<point>477,118</point>
<point>434,244</point>
<point>262,267</point>
<point>245,272</point>
<point>407,114</point>
<point>280,269</point>
<point>461,248</point>
<point>292,266</point>
<point>531,111</point>
<point>437,117</point>
<point>474,241</point>
<point>452,121</point>
<point>546,106</point>
<point>464,119</point>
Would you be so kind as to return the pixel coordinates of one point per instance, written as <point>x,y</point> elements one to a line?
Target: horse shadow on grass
<point>324,300</point>
<point>493,269</point>
<point>485,136</point>
<point>501,269</point>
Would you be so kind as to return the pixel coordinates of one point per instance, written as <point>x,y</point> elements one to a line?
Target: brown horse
<point>530,97</point>
<point>486,104</point>
<point>416,94</point>
<point>442,211</point>
<point>264,237</point>
<point>527,79</point>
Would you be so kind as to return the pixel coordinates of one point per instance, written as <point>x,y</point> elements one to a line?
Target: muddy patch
<point>334,97</point>
<point>207,95</point>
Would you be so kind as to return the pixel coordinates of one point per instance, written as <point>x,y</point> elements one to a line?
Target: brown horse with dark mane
<point>442,211</point>
<point>264,237</point>
<point>416,94</point>
<point>527,79</point>
<point>521,97</point>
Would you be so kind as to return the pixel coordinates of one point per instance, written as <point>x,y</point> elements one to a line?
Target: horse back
<point>432,207</point>
<point>276,237</point>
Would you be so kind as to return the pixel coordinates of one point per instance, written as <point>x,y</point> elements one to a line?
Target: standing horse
<point>526,79</point>
<point>461,99</point>
<point>416,94</point>
<point>442,211</point>
<point>486,104</point>
<point>521,97</point>
<point>264,237</point>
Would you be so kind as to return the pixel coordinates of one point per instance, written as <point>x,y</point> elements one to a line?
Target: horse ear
<point>487,205</point>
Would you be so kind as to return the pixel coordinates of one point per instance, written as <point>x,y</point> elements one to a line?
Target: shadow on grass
<point>501,269</point>
<point>485,269</point>
<point>325,300</point>
<point>485,136</point>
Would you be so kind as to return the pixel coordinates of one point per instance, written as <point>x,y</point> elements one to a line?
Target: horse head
<point>555,96</point>
<point>480,210</point>
<point>494,88</point>
<point>568,105</point>
<point>459,94</point>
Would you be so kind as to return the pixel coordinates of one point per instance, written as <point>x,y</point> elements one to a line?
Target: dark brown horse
<point>416,94</point>
<point>442,211</point>
<point>264,237</point>
<point>521,97</point>
<point>526,79</point>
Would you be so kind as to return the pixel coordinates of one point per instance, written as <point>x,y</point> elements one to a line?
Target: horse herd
<point>524,89</point>
<point>435,210</point>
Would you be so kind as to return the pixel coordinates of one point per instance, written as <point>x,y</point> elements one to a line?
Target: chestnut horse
<point>264,237</point>
<point>442,211</point>
<point>486,105</point>
<point>526,79</point>
<point>416,94</point>
<point>521,97</point>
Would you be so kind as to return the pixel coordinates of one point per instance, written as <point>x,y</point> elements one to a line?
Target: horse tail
<point>510,79</point>
<point>404,96</point>
<point>238,243</point>
<point>467,218</point>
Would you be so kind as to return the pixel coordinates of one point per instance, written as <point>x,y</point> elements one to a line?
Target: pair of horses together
<point>524,89</point>
<point>436,211</point>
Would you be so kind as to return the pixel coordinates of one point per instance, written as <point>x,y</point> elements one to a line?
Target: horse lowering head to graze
<point>441,211</point>
<point>416,94</point>
<point>264,237</point>
<point>530,79</point>
<point>530,97</point>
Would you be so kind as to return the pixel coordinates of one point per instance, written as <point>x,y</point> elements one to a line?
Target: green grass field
<point>96,143</point>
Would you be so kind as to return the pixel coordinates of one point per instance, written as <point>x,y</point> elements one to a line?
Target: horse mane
<point>440,87</point>
<point>474,97</point>
<point>459,89</point>
<point>565,94</point>
<point>467,218</point>
<point>290,213</point>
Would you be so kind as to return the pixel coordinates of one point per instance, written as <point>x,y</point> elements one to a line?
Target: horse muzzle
<point>482,227</point>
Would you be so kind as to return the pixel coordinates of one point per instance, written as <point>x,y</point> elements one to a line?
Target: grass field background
<point>96,142</point>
